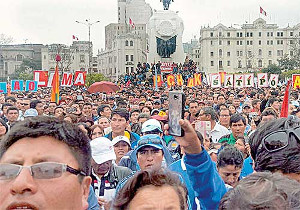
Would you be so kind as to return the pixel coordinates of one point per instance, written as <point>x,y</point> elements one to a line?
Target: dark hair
<point>134,110</point>
<point>263,190</point>
<point>255,101</point>
<point>65,132</point>
<point>230,155</point>
<point>269,111</point>
<point>34,103</point>
<point>286,160</point>
<point>272,100</point>
<point>143,115</point>
<point>194,102</point>
<point>12,108</point>
<point>210,111</point>
<point>101,108</point>
<point>2,122</point>
<point>156,178</point>
<point>5,104</point>
<point>13,99</point>
<point>88,104</point>
<point>122,112</point>
<point>235,118</point>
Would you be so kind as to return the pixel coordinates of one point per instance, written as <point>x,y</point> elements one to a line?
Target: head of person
<point>193,107</point>
<point>121,146</point>
<point>59,112</point>
<point>152,126</point>
<point>96,131</point>
<point>87,109</point>
<point>71,118</point>
<point>221,99</point>
<point>51,107</point>
<point>134,114</point>
<point>146,110</point>
<point>246,109</point>
<point>3,127</point>
<point>207,114</point>
<point>240,144</point>
<point>256,104</point>
<point>4,107</point>
<point>149,104</point>
<point>10,99</point>
<point>30,113</point>
<point>143,117</point>
<point>274,103</point>
<point>275,147</point>
<point>103,122</point>
<point>157,104</point>
<point>12,114</point>
<point>95,109</point>
<point>102,155</point>
<point>38,105</point>
<point>224,117</point>
<point>154,189</point>
<point>104,110</point>
<point>232,109</point>
<point>237,124</point>
<point>84,128</point>
<point>57,163</point>
<point>267,115</point>
<point>229,164</point>
<point>236,102</point>
<point>149,151</point>
<point>263,190</point>
<point>119,121</point>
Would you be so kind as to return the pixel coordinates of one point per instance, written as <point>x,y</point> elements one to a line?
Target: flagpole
<point>156,85</point>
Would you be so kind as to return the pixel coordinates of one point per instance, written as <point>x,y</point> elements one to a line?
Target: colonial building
<point>12,56</point>
<point>125,42</point>
<point>73,58</point>
<point>253,46</point>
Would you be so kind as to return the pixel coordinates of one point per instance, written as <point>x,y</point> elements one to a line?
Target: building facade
<point>73,58</point>
<point>12,56</point>
<point>125,44</point>
<point>248,48</point>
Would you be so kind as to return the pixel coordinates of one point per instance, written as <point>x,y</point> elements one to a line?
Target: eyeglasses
<point>45,170</point>
<point>279,140</point>
<point>24,104</point>
<point>149,139</point>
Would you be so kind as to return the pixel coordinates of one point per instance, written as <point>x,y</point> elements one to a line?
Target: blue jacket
<point>180,168</point>
<point>209,188</point>
<point>92,200</point>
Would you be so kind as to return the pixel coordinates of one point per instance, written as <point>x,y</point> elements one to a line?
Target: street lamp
<point>89,24</point>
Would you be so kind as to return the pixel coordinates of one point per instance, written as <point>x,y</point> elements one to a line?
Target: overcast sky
<point>53,21</point>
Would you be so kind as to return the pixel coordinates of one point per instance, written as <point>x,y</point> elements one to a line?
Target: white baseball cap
<point>120,138</point>
<point>151,125</point>
<point>102,150</point>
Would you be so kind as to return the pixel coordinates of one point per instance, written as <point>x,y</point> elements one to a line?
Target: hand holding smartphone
<point>176,112</point>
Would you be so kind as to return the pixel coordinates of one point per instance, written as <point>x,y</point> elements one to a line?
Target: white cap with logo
<point>102,150</point>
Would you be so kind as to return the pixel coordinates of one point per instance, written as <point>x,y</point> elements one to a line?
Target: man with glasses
<point>224,118</point>
<point>275,147</point>
<point>44,164</point>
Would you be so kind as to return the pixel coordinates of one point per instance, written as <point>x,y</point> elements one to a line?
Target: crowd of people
<point>113,150</point>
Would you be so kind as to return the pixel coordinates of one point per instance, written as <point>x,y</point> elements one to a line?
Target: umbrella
<point>104,86</point>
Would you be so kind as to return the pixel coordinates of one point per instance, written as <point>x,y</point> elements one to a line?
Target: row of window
<point>127,43</point>
<point>249,63</point>
<point>127,57</point>
<point>250,42</point>
<point>240,53</point>
<point>250,34</point>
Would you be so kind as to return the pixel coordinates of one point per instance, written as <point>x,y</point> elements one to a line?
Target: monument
<point>165,30</point>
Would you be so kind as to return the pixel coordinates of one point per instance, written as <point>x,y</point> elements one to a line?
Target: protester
<point>152,189</point>
<point>105,174</point>
<point>57,155</point>
<point>121,147</point>
<point>230,163</point>
<point>263,191</point>
<point>3,128</point>
<point>96,131</point>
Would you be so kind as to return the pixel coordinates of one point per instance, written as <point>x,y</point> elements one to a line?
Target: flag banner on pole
<point>285,104</point>
<point>262,11</point>
<point>55,87</point>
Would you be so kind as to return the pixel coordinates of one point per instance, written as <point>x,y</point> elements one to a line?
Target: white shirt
<point>218,132</point>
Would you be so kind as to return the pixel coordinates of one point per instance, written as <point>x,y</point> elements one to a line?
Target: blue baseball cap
<point>151,140</point>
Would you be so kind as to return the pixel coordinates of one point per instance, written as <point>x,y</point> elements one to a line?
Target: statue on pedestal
<point>166,3</point>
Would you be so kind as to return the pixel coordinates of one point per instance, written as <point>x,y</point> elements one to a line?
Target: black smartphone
<point>176,112</point>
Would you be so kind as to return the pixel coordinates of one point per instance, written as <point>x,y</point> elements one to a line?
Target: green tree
<point>288,74</point>
<point>25,72</point>
<point>272,69</point>
<point>92,78</point>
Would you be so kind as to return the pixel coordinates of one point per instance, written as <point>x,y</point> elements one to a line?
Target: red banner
<point>166,67</point>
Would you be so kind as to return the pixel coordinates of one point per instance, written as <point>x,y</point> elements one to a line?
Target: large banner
<point>166,67</point>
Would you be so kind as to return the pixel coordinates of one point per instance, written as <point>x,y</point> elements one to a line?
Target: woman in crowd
<point>96,131</point>
<point>3,128</point>
<point>121,147</point>
<point>146,110</point>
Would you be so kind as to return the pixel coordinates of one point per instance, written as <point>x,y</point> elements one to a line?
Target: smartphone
<point>176,112</point>
<point>204,127</point>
